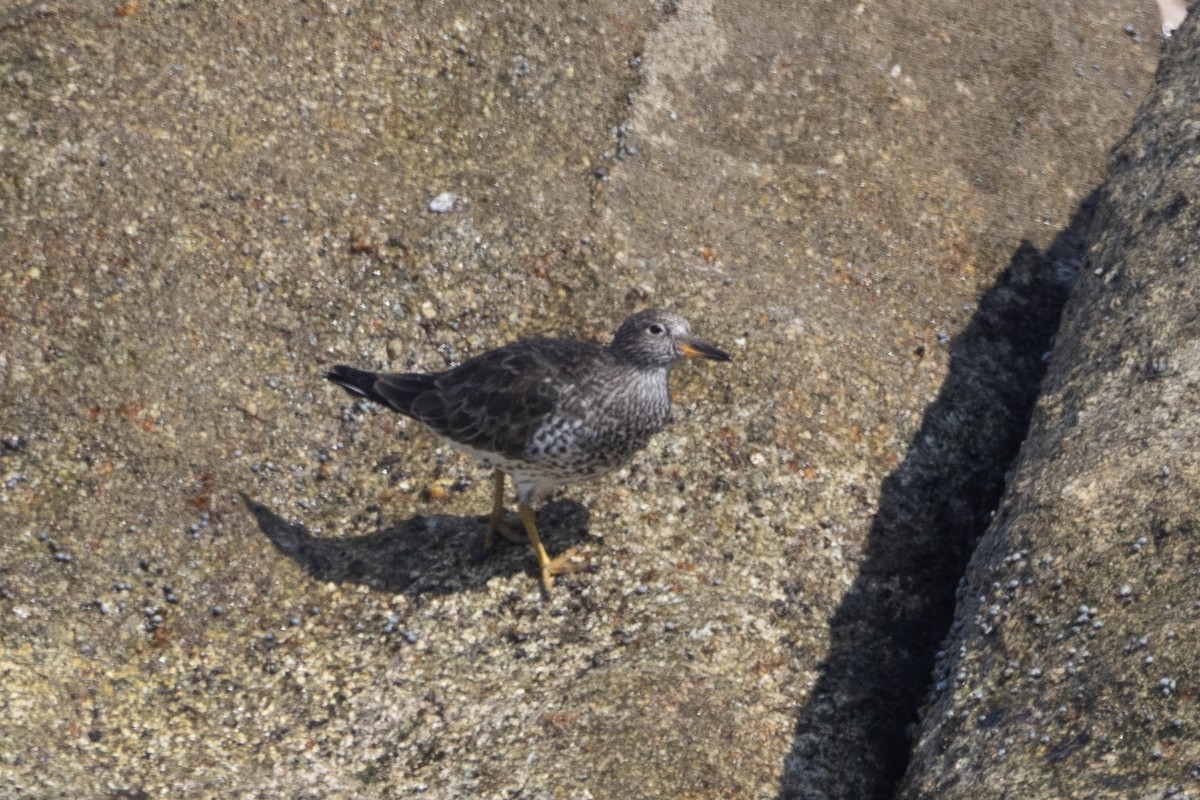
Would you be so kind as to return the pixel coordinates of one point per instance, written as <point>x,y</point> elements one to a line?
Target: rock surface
<point>1074,663</point>
<point>876,208</point>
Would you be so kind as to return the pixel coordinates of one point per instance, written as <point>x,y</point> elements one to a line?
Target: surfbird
<point>545,411</point>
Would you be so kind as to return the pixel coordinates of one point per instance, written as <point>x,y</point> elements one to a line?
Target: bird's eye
<point>656,329</point>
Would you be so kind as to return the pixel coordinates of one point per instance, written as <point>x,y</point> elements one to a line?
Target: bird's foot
<point>567,563</point>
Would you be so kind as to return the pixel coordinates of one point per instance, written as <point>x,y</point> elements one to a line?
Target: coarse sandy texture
<point>876,208</point>
<point>1074,664</point>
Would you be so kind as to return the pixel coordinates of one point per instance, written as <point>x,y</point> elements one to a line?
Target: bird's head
<point>656,338</point>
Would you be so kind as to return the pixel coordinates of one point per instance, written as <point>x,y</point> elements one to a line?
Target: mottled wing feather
<point>496,401</point>
<point>401,390</point>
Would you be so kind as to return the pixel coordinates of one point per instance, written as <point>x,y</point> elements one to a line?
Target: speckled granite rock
<point>1073,668</point>
<point>203,204</point>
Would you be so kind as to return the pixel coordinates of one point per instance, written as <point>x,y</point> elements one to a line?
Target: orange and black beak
<point>694,348</point>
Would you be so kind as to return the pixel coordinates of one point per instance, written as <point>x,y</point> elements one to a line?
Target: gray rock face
<point>1073,666</point>
<point>204,205</point>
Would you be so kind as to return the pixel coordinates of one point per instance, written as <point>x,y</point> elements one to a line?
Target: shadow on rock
<point>852,736</point>
<point>424,555</point>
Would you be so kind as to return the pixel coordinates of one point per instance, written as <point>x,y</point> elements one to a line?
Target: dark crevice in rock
<point>621,148</point>
<point>852,735</point>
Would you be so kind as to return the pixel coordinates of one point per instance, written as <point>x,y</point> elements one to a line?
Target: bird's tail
<point>397,391</point>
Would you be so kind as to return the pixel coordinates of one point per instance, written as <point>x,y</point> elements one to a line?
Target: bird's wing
<point>401,389</point>
<point>496,401</point>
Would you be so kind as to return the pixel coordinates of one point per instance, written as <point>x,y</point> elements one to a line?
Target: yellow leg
<point>550,566</point>
<point>497,523</point>
<point>526,513</point>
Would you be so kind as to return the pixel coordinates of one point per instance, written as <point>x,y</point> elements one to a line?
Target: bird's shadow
<point>438,554</point>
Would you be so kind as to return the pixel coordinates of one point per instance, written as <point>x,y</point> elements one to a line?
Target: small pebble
<point>14,443</point>
<point>443,203</point>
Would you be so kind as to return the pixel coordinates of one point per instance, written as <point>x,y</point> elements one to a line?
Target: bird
<point>545,411</point>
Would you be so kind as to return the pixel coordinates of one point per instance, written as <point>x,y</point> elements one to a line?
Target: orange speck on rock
<point>436,494</point>
<point>131,408</point>
<point>201,496</point>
